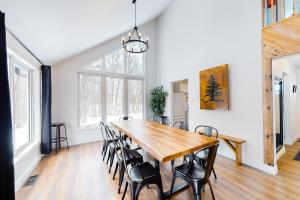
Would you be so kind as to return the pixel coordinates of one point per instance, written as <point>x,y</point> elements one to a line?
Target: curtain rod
<point>23,45</point>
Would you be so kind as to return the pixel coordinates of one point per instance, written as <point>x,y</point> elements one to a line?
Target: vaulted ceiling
<point>58,29</point>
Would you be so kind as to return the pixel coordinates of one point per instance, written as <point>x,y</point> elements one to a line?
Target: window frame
<point>12,60</point>
<point>104,75</point>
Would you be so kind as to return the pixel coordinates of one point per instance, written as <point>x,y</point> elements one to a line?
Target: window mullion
<point>103,98</point>
<point>125,103</point>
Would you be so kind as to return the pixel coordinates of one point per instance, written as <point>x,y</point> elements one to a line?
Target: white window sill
<point>25,151</point>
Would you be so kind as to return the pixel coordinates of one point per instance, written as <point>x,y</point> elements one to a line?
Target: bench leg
<point>238,153</point>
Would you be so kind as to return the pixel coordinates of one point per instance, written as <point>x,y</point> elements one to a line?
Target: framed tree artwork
<point>214,94</point>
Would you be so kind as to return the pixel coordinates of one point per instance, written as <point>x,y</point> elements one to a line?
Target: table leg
<point>238,154</point>
<point>177,188</point>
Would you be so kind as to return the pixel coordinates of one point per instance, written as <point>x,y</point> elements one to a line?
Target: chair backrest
<point>164,121</point>
<point>127,153</point>
<point>181,125</point>
<point>207,131</point>
<point>103,131</point>
<point>212,152</point>
<point>111,135</point>
<point>125,118</point>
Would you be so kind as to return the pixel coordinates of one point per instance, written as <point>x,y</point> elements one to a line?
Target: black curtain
<point>46,147</point>
<point>7,183</point>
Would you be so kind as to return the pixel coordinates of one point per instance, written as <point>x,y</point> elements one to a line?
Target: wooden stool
<point>58,139</point>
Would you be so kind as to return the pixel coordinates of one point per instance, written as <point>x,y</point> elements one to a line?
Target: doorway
<point>180,98</point>
<point>278,113</point>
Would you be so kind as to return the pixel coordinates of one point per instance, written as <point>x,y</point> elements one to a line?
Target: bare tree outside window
<point>90,99</point>
<point>135,99</point>
<point>21,106</point>
<point>115,96</point>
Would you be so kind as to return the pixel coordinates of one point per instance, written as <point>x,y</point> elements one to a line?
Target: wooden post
<point>268,110</point>
<point>238,154</point>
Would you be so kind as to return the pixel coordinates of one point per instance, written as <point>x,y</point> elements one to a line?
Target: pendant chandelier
<point>135,42</point>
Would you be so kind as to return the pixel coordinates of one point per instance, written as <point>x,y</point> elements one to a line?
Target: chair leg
<point>125,190</point>
<point>173,182</point>
<point>121,176</point>
<point>105,152</point>
<point>116,169</point>
<point>111,161</point>
<point>108,157</point>
<point>196,189</point>
<point>211,190</point>
<point>135,190</point>
<point>214,173</point>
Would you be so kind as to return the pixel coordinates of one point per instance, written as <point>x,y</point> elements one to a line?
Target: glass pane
<point>297,2</point>
<point>135,64</point>
<point>115,94</point>
<point>114,62</point>
<point>135,99</point>
<point>90,100</point>
<point>97,66</point>
<point>289,8</point>
<point>21,106</point>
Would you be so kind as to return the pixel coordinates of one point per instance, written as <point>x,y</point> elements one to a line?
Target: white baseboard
<point>26,164</point>
<point>291,141</point>
<point>280,153</point>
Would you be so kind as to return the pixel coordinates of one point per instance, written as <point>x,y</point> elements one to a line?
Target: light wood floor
<point>79,173</point>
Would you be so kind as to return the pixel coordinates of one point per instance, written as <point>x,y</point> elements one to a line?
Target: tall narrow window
<point>115,95</point>
<point>21,105</point>
<point>135,98</point>
<point>90,99</point>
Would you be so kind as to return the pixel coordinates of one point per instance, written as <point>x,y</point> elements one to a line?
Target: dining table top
<point>162,142</point>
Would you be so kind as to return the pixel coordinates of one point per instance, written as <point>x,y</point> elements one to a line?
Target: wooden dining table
<point>164,143</point>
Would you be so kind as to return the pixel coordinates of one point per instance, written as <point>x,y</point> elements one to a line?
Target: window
<point>135,98</point>
<point>90,99</point>
<point>111,87</point>
<point>21,93</point>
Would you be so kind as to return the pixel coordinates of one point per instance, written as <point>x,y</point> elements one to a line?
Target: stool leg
<point>59,137</point>
<point>56,140</point>
<point>66,136</point>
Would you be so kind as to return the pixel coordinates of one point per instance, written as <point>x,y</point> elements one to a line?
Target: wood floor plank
<point>79,174</point>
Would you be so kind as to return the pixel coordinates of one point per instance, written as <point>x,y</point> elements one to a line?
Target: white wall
<point>280,67</point>
<point>26,161</point>
<point>196,35</point>
<point>65,88</point>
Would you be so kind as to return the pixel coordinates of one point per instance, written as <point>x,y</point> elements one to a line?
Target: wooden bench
<point>235,145</point>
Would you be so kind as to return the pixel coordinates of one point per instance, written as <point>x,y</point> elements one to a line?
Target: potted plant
<point>158,98</point>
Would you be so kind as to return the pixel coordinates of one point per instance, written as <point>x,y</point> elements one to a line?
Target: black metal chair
<point>209,132</point>
<point>112,149</point>
<point>106,141</point>
<point>120,159</point>
<point>139,174</point>
<point>181,125</point>
<point>197,175</point>
<point>164,120</point>
<point>125,118</point>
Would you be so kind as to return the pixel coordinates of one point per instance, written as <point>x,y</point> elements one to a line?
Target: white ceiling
<point>58,29</point>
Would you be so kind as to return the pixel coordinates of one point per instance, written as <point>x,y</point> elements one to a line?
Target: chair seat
<point>129,158</point>
<point>147,170</point>
<point>194,171</point>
